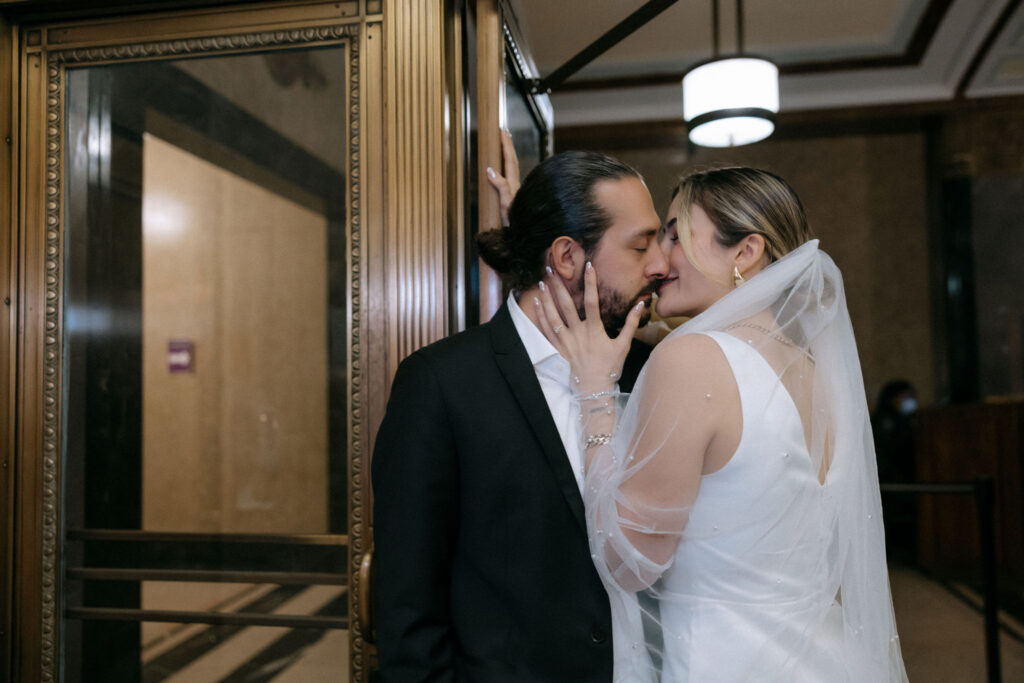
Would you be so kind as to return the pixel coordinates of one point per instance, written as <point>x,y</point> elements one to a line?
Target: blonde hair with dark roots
<point>743,201</point>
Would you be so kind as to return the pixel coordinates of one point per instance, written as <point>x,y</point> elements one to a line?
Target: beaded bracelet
<point>597,440</point>
<point>600,394</point>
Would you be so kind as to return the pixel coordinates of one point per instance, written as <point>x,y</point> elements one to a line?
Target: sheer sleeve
<point>640,485</point>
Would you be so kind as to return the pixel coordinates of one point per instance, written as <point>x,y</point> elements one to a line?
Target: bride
<point>735,491</point>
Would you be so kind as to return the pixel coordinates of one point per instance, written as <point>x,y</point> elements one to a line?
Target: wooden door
<point>222,244</point>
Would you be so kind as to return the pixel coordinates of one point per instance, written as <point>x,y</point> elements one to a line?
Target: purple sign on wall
<point>181,355</point>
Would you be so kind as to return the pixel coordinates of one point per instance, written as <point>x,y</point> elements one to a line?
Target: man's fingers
<point>497,181</point>
<point>505,192</point>
<point>511,161</point>
<point>507,185</point>
<point>591,300</point>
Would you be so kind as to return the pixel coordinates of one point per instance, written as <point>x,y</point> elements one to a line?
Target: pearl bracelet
<point>600,394</point>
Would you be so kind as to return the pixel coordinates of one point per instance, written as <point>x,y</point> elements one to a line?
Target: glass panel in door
<point>206,320</point>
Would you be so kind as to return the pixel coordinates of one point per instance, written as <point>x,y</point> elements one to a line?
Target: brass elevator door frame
<point>40,568</point>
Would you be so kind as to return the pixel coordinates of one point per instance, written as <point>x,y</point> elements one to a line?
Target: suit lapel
<point>514,363</point>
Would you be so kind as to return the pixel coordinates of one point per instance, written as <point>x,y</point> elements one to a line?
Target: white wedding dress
<point>779,573</point>
<point>750,569</point>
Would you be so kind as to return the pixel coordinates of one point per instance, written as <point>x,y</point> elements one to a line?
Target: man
<point>483,567</point>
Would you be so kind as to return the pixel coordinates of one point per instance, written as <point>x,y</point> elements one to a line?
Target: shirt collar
<point>538,348</point>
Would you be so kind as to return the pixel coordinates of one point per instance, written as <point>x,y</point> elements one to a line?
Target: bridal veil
<point>826,536</point>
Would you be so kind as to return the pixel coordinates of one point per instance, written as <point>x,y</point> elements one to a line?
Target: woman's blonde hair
<point>742,201</point>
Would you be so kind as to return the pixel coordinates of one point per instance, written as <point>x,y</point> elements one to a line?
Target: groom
<point>483,567</point>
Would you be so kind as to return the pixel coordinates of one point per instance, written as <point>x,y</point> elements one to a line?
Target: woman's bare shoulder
<point>686,350</point>
<point>690,361</point>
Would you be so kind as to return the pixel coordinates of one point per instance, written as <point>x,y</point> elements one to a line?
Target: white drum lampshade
<point>731,102</point>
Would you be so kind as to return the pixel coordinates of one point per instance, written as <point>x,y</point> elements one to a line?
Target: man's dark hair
<point>556,199</point>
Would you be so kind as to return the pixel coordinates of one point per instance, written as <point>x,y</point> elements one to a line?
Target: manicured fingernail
<point>640,306</point>
<point>536,301</point>
<point>490,172</point>
<point>542,287</point>
<point>590,266</point>
<point>548,268</point>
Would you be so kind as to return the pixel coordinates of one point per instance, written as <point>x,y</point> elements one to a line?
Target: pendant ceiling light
<point>730,101</point>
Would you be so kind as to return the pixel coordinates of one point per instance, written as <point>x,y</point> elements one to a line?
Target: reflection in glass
<point>523,122</point>
<point>206,322</point>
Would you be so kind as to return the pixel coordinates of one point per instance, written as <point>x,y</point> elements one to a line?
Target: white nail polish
<point>490,171</point>
<point>542,287</point>
<point>590,266</point>
<point>548,268</point>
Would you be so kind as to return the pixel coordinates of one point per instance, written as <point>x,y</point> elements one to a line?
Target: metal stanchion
<point>983,491</point>
<point>984,498</point>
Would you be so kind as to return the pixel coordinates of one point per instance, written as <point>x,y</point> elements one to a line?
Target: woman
<point>737,484</point>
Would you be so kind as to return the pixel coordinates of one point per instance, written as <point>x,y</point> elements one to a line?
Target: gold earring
<point>736,277</point>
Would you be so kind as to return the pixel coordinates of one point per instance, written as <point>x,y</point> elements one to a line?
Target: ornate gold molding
<point>52,363</point>
<point>191,46</point>
<point>357,457</point>
<point>368,404</point>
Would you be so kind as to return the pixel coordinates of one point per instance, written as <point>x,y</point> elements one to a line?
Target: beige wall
<point>240,444</point>
<point>865,197</point>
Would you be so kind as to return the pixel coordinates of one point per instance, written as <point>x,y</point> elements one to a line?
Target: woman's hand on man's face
<point>595,358</point>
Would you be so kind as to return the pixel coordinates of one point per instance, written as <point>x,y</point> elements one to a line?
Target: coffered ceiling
<point>831,53</point>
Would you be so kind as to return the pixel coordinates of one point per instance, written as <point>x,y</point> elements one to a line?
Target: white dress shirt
<point>553,374</point>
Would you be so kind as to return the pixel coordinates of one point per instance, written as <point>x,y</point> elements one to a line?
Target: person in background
<point>892,424</point>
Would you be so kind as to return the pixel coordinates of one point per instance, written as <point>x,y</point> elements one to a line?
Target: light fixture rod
<point>739,27</point>
<point>714,29</point>
<point>612,37</point>
<point>730,100</point>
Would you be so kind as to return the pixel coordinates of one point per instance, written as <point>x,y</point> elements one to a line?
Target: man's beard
<point>615,307</point>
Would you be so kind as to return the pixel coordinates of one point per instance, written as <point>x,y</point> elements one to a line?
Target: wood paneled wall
<point>490,86</point>
<point>35,405</point>
<point>7,326</point>
<point>415,188</point>
<point>962,443</point>
<point>412,195</point>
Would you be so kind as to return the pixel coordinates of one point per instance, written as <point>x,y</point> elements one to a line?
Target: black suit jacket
<point>483,572</point>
